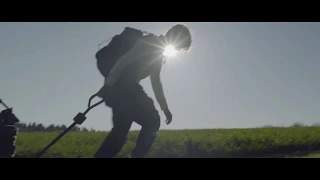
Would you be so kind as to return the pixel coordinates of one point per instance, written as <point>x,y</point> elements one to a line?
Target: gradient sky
<point>236,75</point>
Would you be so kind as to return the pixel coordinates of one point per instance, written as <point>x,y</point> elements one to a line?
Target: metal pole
<point>79,119</point>
<point>3,104</point>
<point>56,139</point>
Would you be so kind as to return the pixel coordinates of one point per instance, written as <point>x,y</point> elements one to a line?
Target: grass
<point>307,155</point>
<point>312,155</point>
<point>206,143</point>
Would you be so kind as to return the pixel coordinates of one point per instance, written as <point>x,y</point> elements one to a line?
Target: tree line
<point>34,127</point>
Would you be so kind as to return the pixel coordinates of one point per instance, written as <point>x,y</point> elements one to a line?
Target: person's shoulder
<point>149,40</point>
<point>151,37</point>
<point>150,43</point>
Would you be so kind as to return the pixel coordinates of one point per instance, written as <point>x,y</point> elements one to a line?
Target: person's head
<point>179,36</point>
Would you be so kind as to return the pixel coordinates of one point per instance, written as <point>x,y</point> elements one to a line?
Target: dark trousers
<point>130,104</point>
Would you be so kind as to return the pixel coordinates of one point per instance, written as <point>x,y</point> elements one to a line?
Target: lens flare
<point>169,51</point>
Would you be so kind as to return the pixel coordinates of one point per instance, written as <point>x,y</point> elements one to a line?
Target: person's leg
<point>145,140</point>
<point>149,119</point>
<point>121,103</point>
<point>115,140</point>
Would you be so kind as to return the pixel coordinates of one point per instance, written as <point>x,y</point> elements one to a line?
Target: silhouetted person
<point>129,102</point>
<point>8,134</point>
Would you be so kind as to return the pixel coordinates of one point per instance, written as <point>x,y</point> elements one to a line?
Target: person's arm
<point>158,91</point>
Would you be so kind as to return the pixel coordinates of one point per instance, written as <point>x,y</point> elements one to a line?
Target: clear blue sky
<point>236,75</point>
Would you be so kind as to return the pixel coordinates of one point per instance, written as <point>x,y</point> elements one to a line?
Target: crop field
<point>206,143</point>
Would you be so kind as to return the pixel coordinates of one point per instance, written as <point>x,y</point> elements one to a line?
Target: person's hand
<point>168,116</point>
<point>104,91</point>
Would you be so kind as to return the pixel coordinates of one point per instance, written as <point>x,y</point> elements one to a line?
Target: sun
<point>169,51</point>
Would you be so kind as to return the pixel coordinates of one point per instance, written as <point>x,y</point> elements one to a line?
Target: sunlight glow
<point>169,51</point>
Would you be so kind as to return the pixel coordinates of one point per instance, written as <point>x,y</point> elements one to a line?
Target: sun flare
<point>169,51</point>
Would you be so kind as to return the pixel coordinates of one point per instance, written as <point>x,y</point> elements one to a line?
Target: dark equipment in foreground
<point>78,120</point>
<point>8,132</point>
<point>6,116</point>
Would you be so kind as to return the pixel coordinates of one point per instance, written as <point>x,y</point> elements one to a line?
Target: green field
<point>257,142</point>
<point>312,155</point>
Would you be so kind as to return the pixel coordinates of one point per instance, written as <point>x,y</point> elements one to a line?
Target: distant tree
<point>40,127</point>
<point>316,124</point>
<point>268,126</point>
<point>63,127</point>
<point>298,124</point>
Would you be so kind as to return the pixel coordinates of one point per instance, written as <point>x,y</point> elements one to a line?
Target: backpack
<point>120,44</point>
